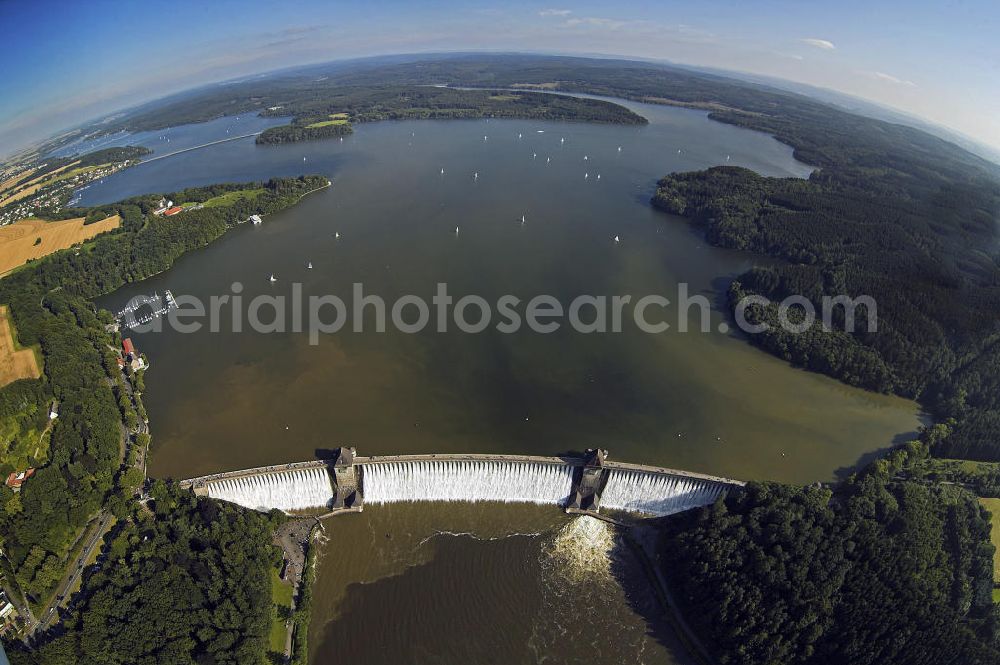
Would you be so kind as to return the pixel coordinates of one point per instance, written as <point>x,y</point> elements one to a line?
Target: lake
<point>705,402</point>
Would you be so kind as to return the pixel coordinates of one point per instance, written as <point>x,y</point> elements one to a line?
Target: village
<point>53,192</point>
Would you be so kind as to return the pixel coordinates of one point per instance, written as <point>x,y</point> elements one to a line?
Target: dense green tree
<point>189,583</point>
<point>875,572</point>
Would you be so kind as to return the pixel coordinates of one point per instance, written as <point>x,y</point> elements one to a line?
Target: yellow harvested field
<point>7,184</point>
<point>14,363</point>
<point>18,241</point>
<point>45,176</point>
<point>20,194</point>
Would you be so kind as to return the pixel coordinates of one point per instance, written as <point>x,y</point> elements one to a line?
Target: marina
<point>142,310</point>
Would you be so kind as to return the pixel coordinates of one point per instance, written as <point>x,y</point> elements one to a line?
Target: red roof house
<point>15,479</point>
<point>127,346</point>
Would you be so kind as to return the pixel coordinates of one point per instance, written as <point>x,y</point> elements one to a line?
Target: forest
<point>312,109</point>
<point>186,582</point>
<point>49,304</point>
<point>923,254</point>
<point>872,572</point>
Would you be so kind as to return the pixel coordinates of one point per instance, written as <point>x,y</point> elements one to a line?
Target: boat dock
<point>157,305</point>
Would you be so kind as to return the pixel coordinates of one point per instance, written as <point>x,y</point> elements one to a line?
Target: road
<point>49,614</point>
<point>100,524</point>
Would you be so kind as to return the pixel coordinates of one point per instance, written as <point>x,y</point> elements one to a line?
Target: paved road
<point>49,614</point>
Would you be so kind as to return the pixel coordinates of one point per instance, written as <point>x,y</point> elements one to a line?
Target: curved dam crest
<point>579,484</point>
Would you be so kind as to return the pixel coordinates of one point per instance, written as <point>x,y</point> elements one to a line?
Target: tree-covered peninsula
<point>330,113</point>
<point>158,562</point>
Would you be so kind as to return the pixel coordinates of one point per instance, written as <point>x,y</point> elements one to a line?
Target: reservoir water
<point>705,402</point>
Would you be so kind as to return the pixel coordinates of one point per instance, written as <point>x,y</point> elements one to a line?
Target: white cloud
<point>555,12</point>
<point>595,22</point>
<point>824,44</point>
<point>889,78</point>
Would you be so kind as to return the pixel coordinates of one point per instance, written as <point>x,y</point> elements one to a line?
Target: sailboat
<point>586,175</point>
<point>617,239</point>
<point>619,148</point>
<point>310,266</point>
<point>456,230</point>
<point>475,176</point>
<point>337,235</point>
<point>442,171</point>
<point>519,135</point>
<point>522,220</point>
<point>273,278</point>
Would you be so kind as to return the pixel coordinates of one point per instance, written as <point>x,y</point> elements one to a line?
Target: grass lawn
<point>281,592</point>
<point>276,640</point>
<point>229,198</point>
<point>993,505</point>
<point>281,596</point>
<point>328,123</point>
<point>22,448</point>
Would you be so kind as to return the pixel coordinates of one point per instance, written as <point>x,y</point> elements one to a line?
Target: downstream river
<point>704,402</point>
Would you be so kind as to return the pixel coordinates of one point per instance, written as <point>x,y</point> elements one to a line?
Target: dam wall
<point>657,493</point>
<point>579,484</point>
<point>289,490</point>
<point>461,480</point>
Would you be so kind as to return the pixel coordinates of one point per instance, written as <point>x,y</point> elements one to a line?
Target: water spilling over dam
<point>500,480</point>
<point>657,494</point>
<point>578,484</point>
<point>297,489</point>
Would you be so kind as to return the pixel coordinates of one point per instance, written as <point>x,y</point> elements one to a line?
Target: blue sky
<point>65,62</point>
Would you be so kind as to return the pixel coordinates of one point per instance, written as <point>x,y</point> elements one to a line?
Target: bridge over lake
<point>580,484</point>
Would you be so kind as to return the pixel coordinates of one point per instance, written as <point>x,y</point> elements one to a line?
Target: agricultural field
<point>15,362</point>
<point>24,437</point>
<point>33,238</point>
<point>10,182</point>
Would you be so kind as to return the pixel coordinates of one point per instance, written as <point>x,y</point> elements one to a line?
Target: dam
<point>579,484</point>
